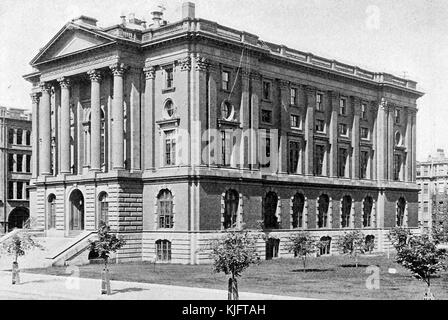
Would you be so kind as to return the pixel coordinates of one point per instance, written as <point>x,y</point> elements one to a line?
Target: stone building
<point>175,132</point>
<point>15,167</point>
<point>432,178</point>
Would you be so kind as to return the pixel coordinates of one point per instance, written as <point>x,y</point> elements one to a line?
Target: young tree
<point>303,245</point>
<point>232,254</point>
<point>421,256</point>
<point>352,243</point>
<point>399,237</point>
<point>106,244</point>
<point>18,245</point>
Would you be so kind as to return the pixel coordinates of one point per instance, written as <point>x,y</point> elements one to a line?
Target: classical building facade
<point>15,164</point>
<point>432,178</point>
<point>175,132</point>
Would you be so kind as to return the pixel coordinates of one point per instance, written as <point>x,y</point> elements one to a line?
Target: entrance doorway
<point>76,211</point>
<point>17,218</point>
<point>272,245</point>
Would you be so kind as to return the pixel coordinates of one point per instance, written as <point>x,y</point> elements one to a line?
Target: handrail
<point>73,244</point>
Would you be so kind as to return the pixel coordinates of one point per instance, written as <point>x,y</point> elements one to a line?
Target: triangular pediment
<point>71,40</point>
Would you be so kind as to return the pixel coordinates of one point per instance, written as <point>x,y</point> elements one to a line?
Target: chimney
<point>157,15</point>
<point>85,20</point>
<point>123,19</point>
<point>188,10</point>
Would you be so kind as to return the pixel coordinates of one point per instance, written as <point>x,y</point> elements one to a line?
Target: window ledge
<point>167,90</point>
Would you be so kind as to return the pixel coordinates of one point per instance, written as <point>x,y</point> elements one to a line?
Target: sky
<point>403,37</point>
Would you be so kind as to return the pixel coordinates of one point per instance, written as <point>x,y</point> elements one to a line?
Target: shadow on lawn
<point>127,290</point>
<point>312,270</point>
<point>354,265</point>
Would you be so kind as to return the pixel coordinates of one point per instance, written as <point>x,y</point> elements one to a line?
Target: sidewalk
<point>48,287</point>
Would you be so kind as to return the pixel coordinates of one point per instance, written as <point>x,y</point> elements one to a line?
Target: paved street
<point>38,287</point>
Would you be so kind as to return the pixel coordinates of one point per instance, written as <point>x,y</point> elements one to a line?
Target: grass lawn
<point>327,277</point>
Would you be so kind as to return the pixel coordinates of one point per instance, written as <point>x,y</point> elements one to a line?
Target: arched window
<point>298,202</point>
<point>325,245</point>
<point>322,215</point>
<point>163,250</point>
<point>169,108</point>
<point>19,136</point>
<point>346,207</point>
<point>28,138</point>
<point>165,208</point>
<point>51,211</point>
<point>401,205</point>
<point>270,209</point>
<point>231,201</point>
<point>103,208</point>
<point>367,212</point>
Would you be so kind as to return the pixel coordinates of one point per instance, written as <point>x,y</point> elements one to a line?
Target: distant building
<point>432,178</point>
<point>15,167</point>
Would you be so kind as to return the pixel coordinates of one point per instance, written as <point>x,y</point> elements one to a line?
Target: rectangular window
<point>342,106</point>
<point>342,162</point>
<point>19,136</point>
<point>169,78</point>
<point>19,190</point>
<point>10,162</point>
<point>295,121</point>
<point>28,138</point>
<point>320,125</point>
<point>364,133</point>
<point>27,191</point>
<point>363,111</point>
<point>11,136</point>
<point>225,80</point>
<point>293,96</point>
<point>319,157</point>
<point>397,115</point>
<point>266,90</point>
<point>364,162</point>
<point>266,116</point>
<point>397,167</point>
<point>319,105</point>
<point>343,131</point>
<point>170,148</point>
<point>10,190</point>
<point>225,148</point>
<point>19,162</point>
<point>294,153</point>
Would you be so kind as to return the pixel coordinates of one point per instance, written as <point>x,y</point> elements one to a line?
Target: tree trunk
<point>233,289</point>
<point>304,263</point>
<point>428,294</point>
<point>15,273</point>
<point>105,279</point>
<point>356,261</point>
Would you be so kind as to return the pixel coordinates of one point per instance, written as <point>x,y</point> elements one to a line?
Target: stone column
<point>414,145</point>
<point>408,144</point>
<point>45,131</point>
<point>355,137</point>
<point>95,120</point>
<point>390,144</point>
<point>244,119</point>
<point>255,94</point>
<point>117,117</point>
<point>284,124</point>
<point>65,124</point>
<point>381,141</point>
<point>309,130</point>
<point>148,127</point>
<point>333,134</point>
<point>34,134</point>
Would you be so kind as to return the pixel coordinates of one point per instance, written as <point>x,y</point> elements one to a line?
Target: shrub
<point>303,245</point>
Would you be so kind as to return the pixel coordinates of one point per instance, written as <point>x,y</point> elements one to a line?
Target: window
<point>165,209</point>
<point>370,242</point>
<point>364,162</point>
<point>10,190</point>
<point>227,110</point>
<point>266,116</point>
<point>343,106</point>
<point>397,167</point>
<point>266,161</point>
<point>397,115</point>
<point>322,213</point>
<point>298,203</point>
<point>169,108</point>
<point>293,96</point>
<point>319,160</point>
<point>319,100</point>
<point>225,148</point>
<point>163,250</point>
<point>19,136</point>
<point>231,202</point>
<point>346,208</point>
<point>343,130</point>
<point>270,210</point>
<point>170,148</point>
<point>19,190</point>
<point>325,248</point>
<point>28,138</point>
<point>294,153</point>
<point>398,138</point>
<point>364,133</point>
<point>295,121</point>
<point>11,136</point>
<point>266,90</point>
<point>320,125</point>
<point>103,208</point>
<point>225,80</point>
<point>19,162</point>
<point>51,211</point>
<point>367,212</point>
<point>10,162</point>
<point>27,191</point>
<point>363,111</point>
<point>168,78</point>
<point>401,206</point>
<point>342,162</point>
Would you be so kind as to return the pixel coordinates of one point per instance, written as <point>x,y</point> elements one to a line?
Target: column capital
<point>150,72</point>
<point>94,75</point>
<point>45,87</point>
<point>64,82</point>
<point>310,89</point>
<point>185,64</point>
<point>254,75</point>
<point>117,69</point>
<point>202,63</point>
<point>35,96</point>
<point>284,84</point>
